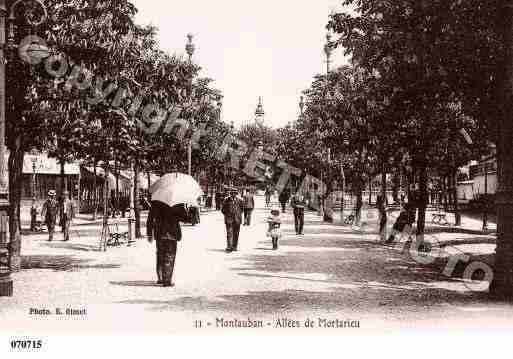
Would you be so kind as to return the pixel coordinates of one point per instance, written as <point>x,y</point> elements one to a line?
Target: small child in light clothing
<point>273,230</point>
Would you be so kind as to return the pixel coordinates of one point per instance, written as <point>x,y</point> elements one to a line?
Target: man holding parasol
<point>170,196</point>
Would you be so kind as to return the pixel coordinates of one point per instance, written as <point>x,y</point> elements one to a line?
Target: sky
<point>267,48</point>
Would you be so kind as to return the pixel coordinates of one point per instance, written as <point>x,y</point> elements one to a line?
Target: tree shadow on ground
<point>61,263</point>
<point>464,241</point>
<point>359,277</point>
<point>137,283</point>
<point>356,301</point>
<point>72,246</point>
<point>441,230</point>
<point>332,231</point>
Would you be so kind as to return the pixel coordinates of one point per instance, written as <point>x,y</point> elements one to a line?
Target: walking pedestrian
<point>298,203</point>
<point>67,213</point>
<point>50,212</point>
<point>273,229</point>
<point>267,197</point>
<point>219,200</point>
<point>403,223</point>
<point>33,216</point>
<point>248,205</point>
<point>284,198</point>
<point>232,211</point>
<point>163,225</point>
<point>194,213</point>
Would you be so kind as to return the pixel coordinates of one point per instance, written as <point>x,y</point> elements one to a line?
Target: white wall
<point>465,192</point>
<point>479,184</point>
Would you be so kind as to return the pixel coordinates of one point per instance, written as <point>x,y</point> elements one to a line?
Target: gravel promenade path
<point>334,275</point>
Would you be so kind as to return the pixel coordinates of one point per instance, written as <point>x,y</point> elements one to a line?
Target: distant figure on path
<point>232,210</point>
<point>49,213</point>
<point>404,222</point>
<point>284,198</point>
<point>219,200</point>
<point>67,213</point>
<point>163,225</point>
<point>298,203</point>
<point>33,216</point>
<point>248,201</point>
<point>273,230</point>
<point>267,197</point>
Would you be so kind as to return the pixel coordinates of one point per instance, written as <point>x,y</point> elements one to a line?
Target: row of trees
<point>420,72</point>
<point>92,111</point>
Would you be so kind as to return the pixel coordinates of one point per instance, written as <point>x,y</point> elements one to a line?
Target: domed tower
<point>259,113</point>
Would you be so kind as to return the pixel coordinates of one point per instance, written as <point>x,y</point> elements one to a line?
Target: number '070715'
<point>26,344</point>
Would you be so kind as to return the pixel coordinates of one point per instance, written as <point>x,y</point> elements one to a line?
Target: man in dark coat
<point>248,202</point>
<point>232,210</point>
<point>298,203</point>
<point>284,198</point>
<point>50,212</point>
<point>219,200</point>
<point>163,225</point>
<point>404,222</point>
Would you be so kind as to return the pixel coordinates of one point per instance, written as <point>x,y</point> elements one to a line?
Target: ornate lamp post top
<point>190,47</point>
<point>328,50</point>
<point>302,104</point>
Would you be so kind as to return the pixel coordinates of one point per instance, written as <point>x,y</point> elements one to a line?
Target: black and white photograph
<point>328,167</point>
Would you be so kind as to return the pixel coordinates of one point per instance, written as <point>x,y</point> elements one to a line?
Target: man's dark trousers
<point>232,235</point>
<point>247,216</point>
<point>166,254</point>
<point>299,219</point>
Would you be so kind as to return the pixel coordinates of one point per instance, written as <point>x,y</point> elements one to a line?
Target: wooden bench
<point>116,237</point>
<point>440,218</point>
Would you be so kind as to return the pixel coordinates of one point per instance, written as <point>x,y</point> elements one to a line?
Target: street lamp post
<point>190,48</point>
<point>328,52</point>
<point>6,284</point>
<point>34,161</point>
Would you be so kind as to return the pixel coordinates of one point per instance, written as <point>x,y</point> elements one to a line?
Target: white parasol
<point>176,188</point>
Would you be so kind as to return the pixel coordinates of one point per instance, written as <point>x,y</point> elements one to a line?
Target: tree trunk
<point>502,284</point>
<point>457,215</point>
<point>15,183</point>
<point>105,222</point>
<point>106,197</point>
<point>445,193</point>
<point>396,186</point>
<point>370,190</point>
<point>63,182</point>
<point>384,183</point>
<point>359,199</point>
<point>137,202</point>
<point>116,197</point>
<point>422,200</point>
<point>95,191</point>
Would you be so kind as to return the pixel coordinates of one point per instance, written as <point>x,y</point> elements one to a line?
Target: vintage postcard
<point>264,167</point>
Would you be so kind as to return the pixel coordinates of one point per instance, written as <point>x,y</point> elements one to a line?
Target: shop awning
<point>47,166</point>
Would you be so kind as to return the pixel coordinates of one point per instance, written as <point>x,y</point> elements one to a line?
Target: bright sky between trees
<point>265,48</point>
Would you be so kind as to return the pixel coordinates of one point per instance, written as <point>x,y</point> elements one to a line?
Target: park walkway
<point>333,271</point>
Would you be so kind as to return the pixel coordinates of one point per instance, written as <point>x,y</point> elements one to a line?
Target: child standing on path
<point>273,230</point>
